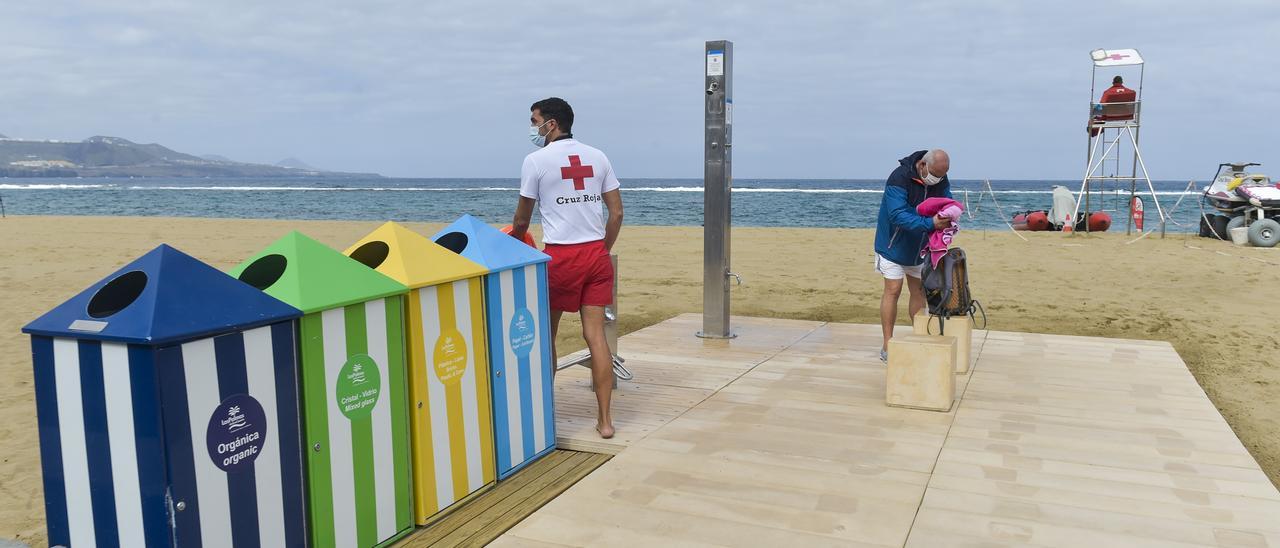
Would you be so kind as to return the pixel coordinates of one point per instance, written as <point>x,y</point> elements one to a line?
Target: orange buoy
<point>528,239</point>
<point>1038,220</point>
<point>1099,222</point>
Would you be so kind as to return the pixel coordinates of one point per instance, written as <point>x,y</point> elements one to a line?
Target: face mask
<point>929,179</point>
<point>536,138</point>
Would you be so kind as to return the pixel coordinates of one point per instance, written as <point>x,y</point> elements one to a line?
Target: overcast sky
<point>420,88</point>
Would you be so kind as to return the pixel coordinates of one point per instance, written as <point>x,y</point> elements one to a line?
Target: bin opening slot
<point>117,294</point>
<point>372,254</point>
<point>453,241</point>
<point>265,272</point>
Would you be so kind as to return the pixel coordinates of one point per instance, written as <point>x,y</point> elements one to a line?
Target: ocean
<point>678,202</point>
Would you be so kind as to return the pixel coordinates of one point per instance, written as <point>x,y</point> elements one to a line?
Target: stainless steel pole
<point>717,190</point>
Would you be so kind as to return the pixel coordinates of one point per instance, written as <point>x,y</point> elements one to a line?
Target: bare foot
<point>606,431</point>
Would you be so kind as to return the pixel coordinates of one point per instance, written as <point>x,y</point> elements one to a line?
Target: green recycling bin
<point>354,397</point>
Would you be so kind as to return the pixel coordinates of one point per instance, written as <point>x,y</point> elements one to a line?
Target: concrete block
<point>960,328</point>
<point>920,374</point>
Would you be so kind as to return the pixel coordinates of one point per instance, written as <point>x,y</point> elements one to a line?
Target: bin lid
<point>162,297</point>
<point>492,248</point>
<point>410,258</point>
<point>312,276</point>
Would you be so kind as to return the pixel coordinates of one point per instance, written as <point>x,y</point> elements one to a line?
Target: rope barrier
<point>999,209</point>
<point>1169,215</point>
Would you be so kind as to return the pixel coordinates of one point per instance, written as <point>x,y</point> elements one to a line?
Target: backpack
<point>946,289</point>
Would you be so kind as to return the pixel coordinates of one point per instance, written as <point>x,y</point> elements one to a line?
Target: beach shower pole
<point>716,193</point>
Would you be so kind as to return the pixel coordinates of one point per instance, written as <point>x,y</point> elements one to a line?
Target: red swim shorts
<point>579,274</point>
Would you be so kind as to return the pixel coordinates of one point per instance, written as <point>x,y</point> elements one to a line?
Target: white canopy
<point>1115,57</point>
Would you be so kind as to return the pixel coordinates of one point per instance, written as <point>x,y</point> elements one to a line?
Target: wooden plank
<point>583,520</point>
<point>1219,510</point>
<point>1072,425</point>
<point>1059,525</point>
<point>674,371</point>
<point>1161,473</point>
<point>489,515</point>
<point>532,497</point>
<point>495,497</point>
<point>1169,456</point>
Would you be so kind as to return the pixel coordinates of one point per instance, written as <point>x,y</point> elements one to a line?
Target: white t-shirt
<point>567,178</point>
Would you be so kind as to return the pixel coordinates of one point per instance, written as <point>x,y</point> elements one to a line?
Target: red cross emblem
<point>578,172</point>
<point>1117,56</point>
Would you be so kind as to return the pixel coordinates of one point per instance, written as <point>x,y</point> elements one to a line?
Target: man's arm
<point>902,215</point>
<point>528,198</point>
<point>524,214</point>
<point>612,201</point>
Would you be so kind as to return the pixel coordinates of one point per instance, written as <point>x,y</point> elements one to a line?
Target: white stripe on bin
<point>375,319</point>
<point>260,369</point>
<point>201,370</point>
<point>535,359</point>
<point>470,403</point>
<point>511,366</point>
<point>438,410</point>
<point>124,452</point>
<point>342,470</point>
<point>75,458</point>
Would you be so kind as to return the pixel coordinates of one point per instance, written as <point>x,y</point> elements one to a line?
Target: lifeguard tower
<point>1115,118</point>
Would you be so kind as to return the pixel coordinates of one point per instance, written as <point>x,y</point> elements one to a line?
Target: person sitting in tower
<point>1117,93</point>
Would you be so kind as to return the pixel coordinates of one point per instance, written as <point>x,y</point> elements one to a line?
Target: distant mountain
<point>294,163</point>
<point>215,158</point>
<point>102,156</point>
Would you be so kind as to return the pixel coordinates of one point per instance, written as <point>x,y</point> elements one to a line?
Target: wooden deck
<point>492,512</point>
<point>672,375</point>
<point>781,438</point>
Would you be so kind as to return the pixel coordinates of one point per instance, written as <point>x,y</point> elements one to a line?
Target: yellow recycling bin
<point>451,422</point>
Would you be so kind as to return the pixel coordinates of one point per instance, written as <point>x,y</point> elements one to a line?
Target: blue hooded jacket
<point>900,231</point>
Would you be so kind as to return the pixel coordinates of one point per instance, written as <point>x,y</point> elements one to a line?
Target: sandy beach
<point>1208,298</point>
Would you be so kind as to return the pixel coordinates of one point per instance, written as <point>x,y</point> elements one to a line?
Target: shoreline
<point>1190,291</point>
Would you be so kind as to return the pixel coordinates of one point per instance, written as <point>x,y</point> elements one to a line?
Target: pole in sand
<point>717,185</point>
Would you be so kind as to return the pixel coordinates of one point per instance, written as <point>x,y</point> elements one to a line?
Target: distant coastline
<point>103,156</point>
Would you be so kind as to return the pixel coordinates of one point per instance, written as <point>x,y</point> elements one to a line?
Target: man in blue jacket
<point>901,233</point>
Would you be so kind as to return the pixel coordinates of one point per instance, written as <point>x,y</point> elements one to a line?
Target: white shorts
<point>894,271</point>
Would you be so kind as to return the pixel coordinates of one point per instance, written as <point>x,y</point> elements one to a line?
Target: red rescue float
<point>528,239</point>
<point>1099,222</point>
<point>1034,221</point>
<point>1037,221</point>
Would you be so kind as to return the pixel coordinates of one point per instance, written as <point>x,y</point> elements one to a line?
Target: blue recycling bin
<point>518,317</point>
<point>167,404</point>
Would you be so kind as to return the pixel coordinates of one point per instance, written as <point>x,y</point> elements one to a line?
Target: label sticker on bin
<point>237,432</point>
<point>359,384</point>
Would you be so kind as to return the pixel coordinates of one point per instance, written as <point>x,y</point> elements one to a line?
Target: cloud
<point>822,89</point>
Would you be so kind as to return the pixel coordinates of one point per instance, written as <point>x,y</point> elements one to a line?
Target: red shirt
<point>1118,94</point>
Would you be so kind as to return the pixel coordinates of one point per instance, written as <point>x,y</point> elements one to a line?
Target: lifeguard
<point>568,181</point>
<point>1117,93</point>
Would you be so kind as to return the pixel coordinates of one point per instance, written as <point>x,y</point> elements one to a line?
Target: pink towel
<point>940,240</point>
